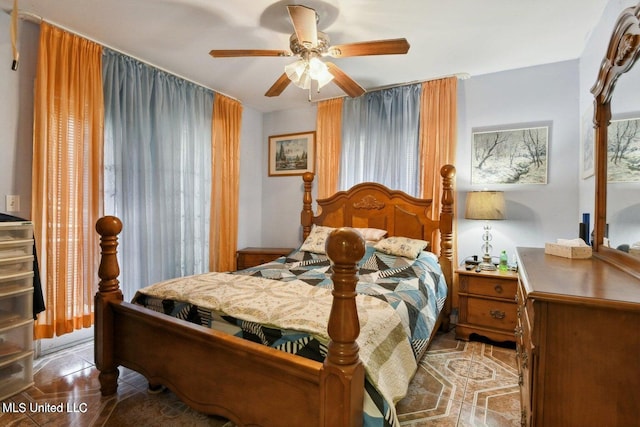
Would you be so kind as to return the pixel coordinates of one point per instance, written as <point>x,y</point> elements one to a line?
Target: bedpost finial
<point>448,171</point>
<point>307,177</point>
<point>109,226</point>
<point>345,246</point>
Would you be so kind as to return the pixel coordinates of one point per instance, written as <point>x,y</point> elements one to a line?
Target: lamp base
<point>486,266</point>
<point>486,263</point>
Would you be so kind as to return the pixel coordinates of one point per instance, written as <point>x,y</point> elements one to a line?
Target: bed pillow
<point>402,246</point>
<point>316,239</point>
<point>372,234</point>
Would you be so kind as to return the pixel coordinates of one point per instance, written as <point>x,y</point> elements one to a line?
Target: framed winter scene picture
<point>623,150</point>
<point>586,143</point>
<point>510,155</point>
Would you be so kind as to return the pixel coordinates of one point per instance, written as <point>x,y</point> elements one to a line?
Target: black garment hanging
<point>38,300</point>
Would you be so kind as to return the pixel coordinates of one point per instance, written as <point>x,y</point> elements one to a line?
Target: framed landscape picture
<point>586,143</point>
<point>505,155</point>
<point>623,150</point>
<point>292,154</point>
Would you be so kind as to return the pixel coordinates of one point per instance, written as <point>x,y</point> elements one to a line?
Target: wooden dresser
<point>577,342</point>
<point>250,257</point>
<point>486,304</point>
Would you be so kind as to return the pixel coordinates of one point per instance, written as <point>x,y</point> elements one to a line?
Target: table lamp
<point>488,206</point>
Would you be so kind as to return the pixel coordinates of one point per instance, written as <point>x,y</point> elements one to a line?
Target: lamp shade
<point>485,205</point>
<point>298,73</point>
<point>304,70</point>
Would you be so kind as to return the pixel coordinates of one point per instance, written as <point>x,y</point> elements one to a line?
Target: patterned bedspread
<point>413,292</point>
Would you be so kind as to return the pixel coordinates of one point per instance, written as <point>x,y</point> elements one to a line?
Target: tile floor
<point>458,384</point>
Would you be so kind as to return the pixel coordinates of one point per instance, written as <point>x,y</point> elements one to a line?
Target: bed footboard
<point>220,374</point>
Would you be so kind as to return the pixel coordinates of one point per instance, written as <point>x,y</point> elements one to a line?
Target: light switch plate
<point>13,203</point>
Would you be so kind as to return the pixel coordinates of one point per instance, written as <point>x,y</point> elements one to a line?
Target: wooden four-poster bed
<point>253,384</point>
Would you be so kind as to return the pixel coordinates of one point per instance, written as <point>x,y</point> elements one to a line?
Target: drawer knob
<point>498,288</point>
<point>497,314</point>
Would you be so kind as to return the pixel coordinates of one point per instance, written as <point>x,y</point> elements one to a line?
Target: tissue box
<point>578,252</point>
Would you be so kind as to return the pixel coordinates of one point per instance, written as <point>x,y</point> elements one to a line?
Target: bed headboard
<point>376,206</point>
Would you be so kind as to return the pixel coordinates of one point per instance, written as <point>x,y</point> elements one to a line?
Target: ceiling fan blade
<point>280,85</point>
<point>375,47</point>
<point>345,82</point>
<point>305,24</point>
<point>230,53</point>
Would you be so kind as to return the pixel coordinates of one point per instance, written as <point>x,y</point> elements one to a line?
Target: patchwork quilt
<point>398,303</point>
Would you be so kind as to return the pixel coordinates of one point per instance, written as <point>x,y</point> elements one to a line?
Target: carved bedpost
<point>306,216</point>
<point>448,173</point>
<point>343,372</point>
<point>108,291</point>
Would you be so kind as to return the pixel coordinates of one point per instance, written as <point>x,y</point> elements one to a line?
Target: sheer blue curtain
<point>380,139</point>
<point>157,170</point>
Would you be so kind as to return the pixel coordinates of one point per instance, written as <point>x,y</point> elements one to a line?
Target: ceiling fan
<point>310,45</point>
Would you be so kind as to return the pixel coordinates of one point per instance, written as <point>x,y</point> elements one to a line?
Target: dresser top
<point>580,281</point>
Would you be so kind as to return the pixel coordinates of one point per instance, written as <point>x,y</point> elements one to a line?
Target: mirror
<point>614,201</point>
<point>623,165</point>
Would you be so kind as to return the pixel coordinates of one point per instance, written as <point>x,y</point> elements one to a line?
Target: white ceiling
<point>446,37</point>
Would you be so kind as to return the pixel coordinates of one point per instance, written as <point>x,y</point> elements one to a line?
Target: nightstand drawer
<point>251,257</point>
<point>491,313</point>
<point>489,286</point>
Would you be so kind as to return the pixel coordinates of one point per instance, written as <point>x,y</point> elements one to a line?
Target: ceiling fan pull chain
<point>14,35</point>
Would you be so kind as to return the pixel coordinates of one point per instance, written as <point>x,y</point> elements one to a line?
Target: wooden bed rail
<point>248,383</point>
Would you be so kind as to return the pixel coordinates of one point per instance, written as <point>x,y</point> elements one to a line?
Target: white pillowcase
<point>402,246</point>
<point>316,239</point>
<point>372,234</point>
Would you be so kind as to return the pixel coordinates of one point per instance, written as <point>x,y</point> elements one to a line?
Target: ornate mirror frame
<point>622,53</point>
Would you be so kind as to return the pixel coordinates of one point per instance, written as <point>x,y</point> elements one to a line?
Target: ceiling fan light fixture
<point>298,73</point>
<point>319,71</point>
<point>304,70</point>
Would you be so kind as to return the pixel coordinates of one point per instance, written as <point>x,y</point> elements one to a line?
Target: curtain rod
<point>459,76</point>
<point>32,17</point>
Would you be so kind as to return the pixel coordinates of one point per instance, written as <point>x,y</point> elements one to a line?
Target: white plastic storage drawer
<point>15,265</point>
<point>16,340</point>
<point>15,231</point>
<point>15,248</point>
<point>15,306</point>
<point>16,374</point>
<point>13,282</point>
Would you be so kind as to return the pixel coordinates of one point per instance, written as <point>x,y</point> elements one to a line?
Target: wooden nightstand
<point>487,304</point>
<point>250,257</point>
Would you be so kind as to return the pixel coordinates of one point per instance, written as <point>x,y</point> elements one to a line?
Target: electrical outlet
<point>13,203</point>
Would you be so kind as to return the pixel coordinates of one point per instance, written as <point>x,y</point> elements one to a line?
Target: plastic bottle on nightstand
<point>504,262</point>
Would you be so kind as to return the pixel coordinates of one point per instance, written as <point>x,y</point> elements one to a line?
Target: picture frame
<point>292,154</point>
<point>587,147</point>
<point>623,149</point>
<point>515,154</point>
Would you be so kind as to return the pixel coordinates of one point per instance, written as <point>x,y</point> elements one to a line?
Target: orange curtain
<point>328,146</point>
<point>225,179</point>
<point>438,137</point>
<point>67,176</point>
<point>438,134</point>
